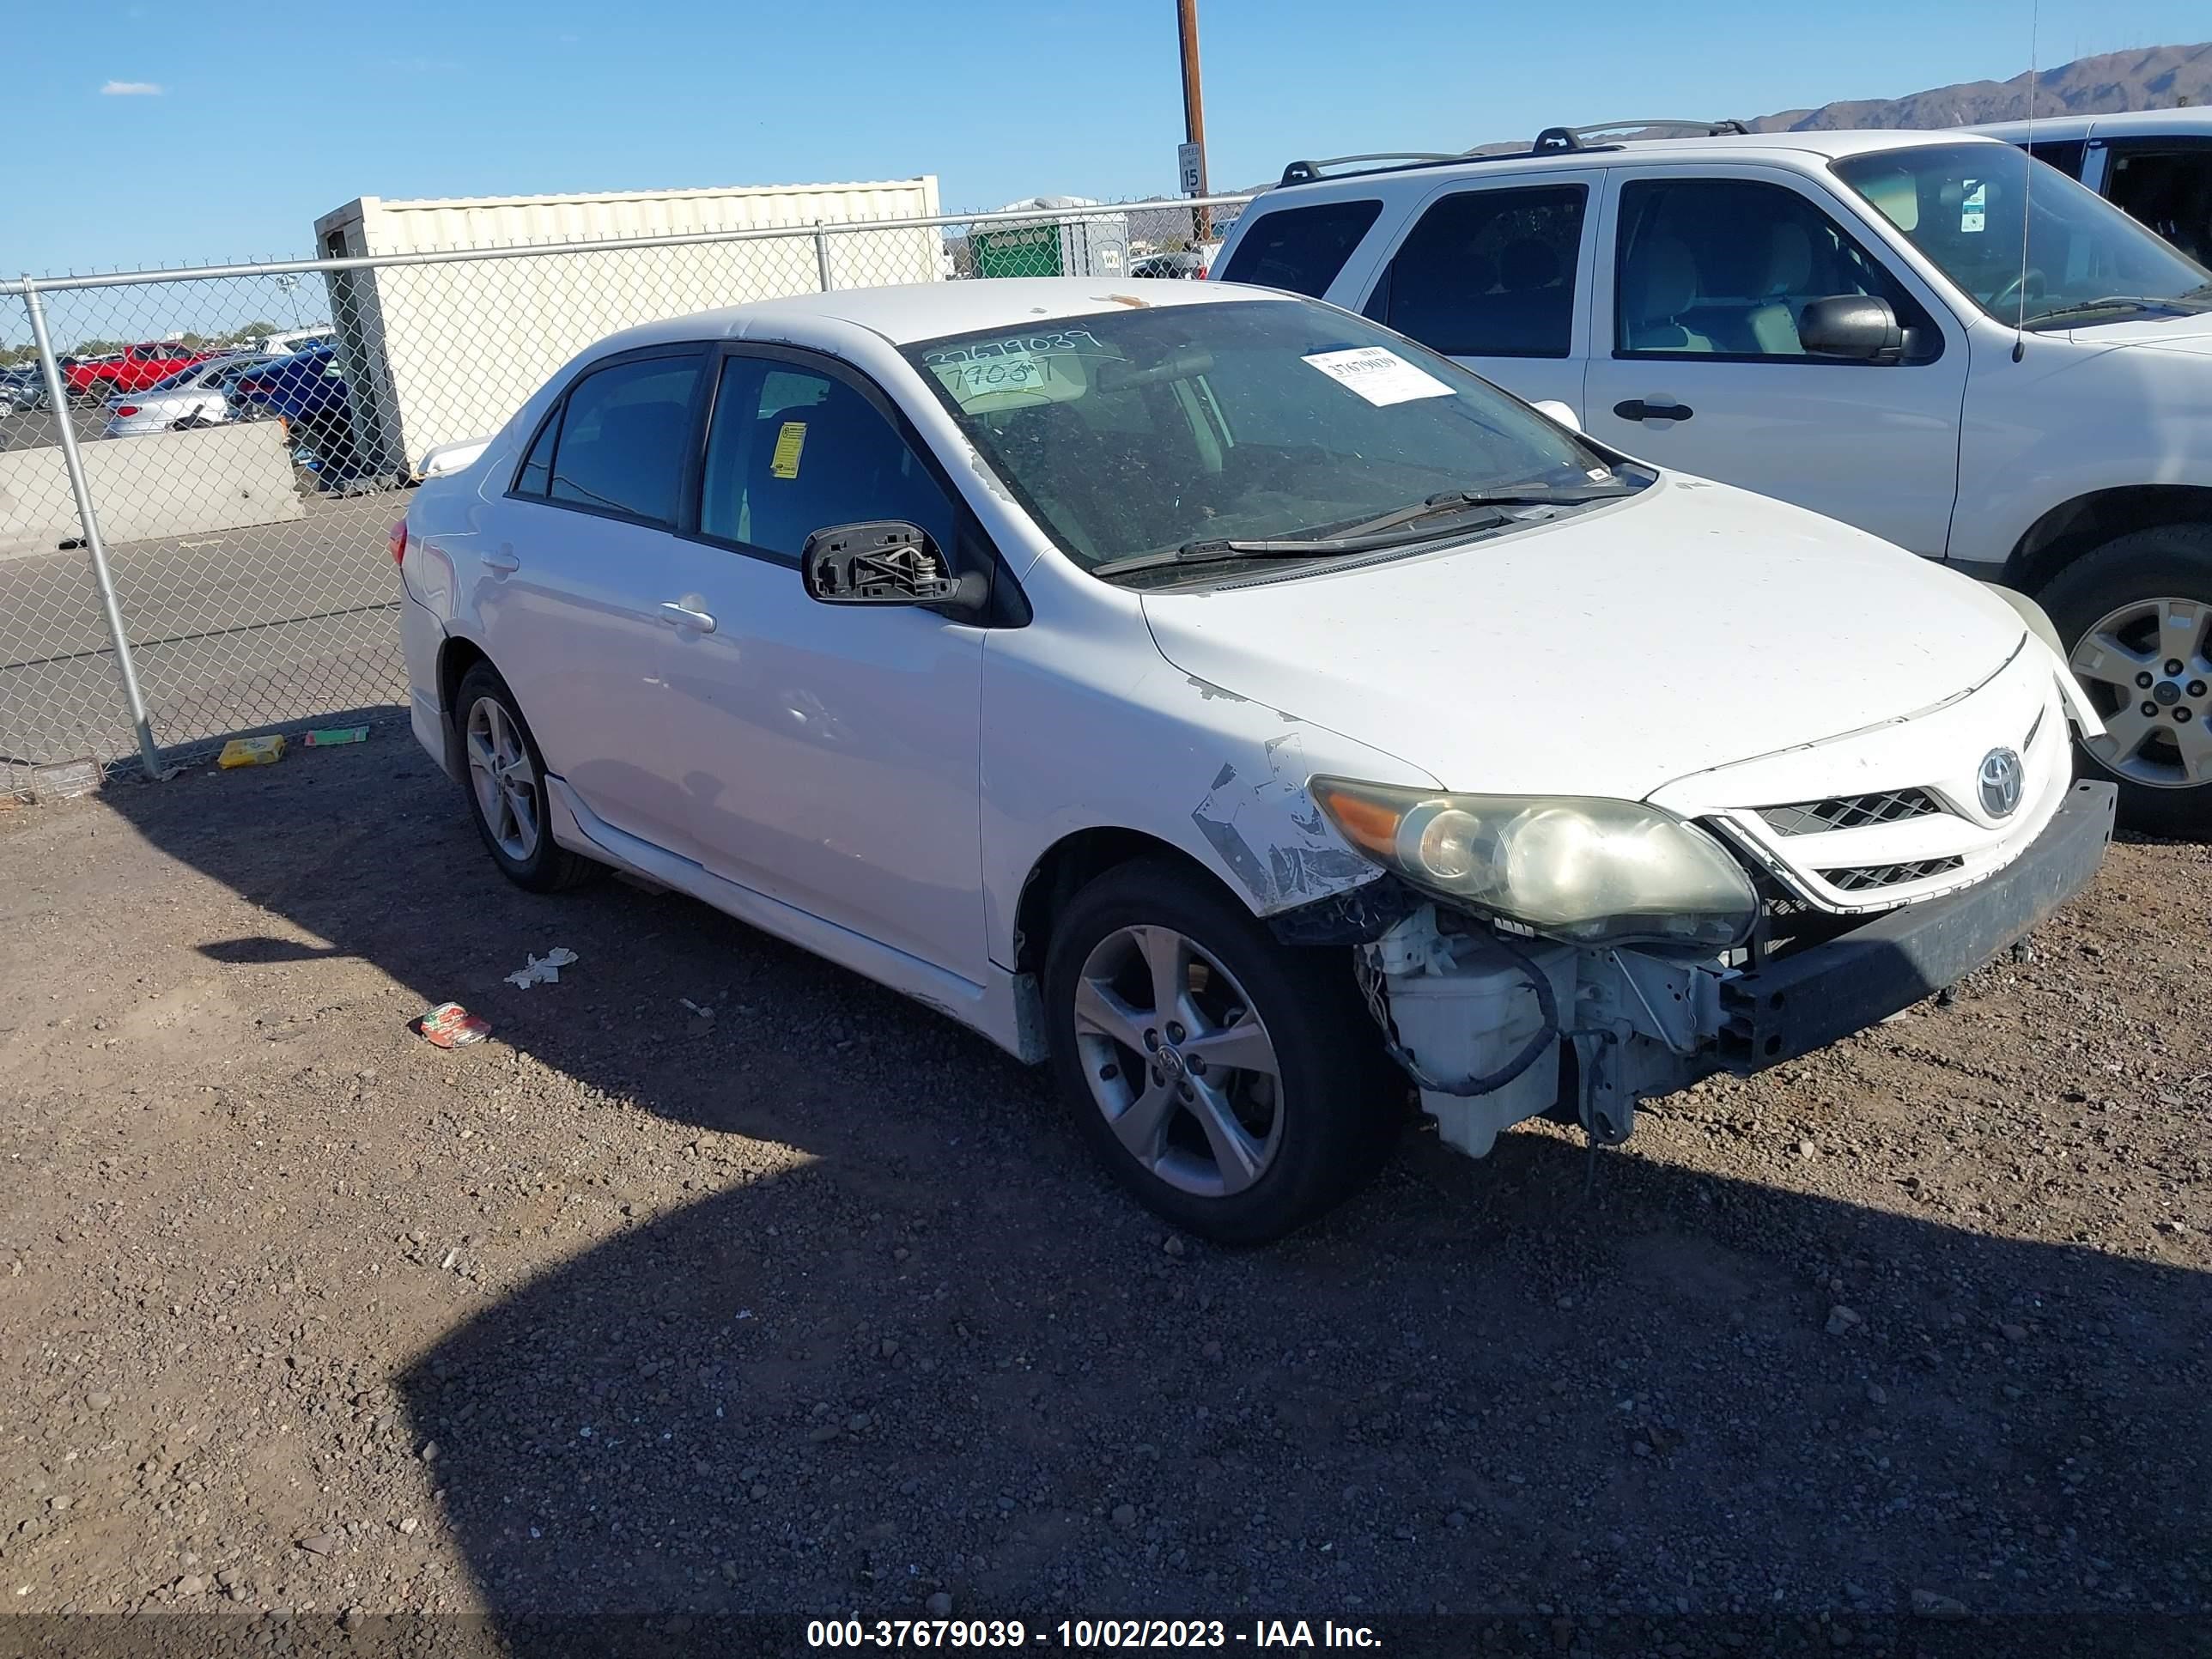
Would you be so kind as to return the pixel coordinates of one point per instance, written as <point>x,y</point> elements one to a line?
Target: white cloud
<point>130,89</point>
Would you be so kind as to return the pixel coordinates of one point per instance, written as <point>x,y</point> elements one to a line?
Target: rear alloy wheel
<point>2138,613</point>
<point>1234,1084</point>
<point>506,778</point>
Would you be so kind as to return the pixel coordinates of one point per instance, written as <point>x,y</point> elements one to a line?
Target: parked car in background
<point>197,395</point>
<point>22,388</point>
<point>1223,698</point>
<point>307,391</point>
<point>298,339</point>
<point>1845,320</point>
<point>1185,263</point>
<point>2155,165</point>
<point>134,368</point>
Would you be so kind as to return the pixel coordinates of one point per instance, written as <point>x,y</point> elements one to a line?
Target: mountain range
<point>2148,78</point>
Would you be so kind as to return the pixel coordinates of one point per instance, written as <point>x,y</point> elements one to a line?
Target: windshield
<point>2085,261</point>
<point>1140,431</point>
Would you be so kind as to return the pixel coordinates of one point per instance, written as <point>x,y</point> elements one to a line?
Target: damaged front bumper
<point>1461,1008</point>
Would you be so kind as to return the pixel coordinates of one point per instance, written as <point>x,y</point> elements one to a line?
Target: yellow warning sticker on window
<point>784,462</point>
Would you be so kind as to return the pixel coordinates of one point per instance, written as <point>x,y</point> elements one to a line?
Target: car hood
<point>2192,334</point>
<point>1606,653</point>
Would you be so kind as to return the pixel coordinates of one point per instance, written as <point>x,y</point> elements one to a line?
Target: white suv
<point>1212,693</point>
<point>1853,321</point>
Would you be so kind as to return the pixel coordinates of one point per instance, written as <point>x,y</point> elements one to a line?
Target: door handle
<point>1636,410</point>
<point>683,616</point>
<point>501,562</point>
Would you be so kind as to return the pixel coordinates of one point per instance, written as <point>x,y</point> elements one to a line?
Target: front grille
<point>1865,877</point>
<point>1813,818</point>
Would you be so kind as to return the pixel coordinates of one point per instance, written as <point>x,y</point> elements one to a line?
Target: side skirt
<point>1003,1009</point>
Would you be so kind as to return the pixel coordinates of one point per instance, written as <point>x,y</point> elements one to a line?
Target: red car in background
<point>131,369</point>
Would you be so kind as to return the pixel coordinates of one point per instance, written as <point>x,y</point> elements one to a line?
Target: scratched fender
<point>1267,830</point>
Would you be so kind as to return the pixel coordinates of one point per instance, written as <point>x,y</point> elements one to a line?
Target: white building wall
<point>437,353</point>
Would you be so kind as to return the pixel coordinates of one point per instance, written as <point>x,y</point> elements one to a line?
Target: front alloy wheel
<point>2148,667</point>
<point>1234,1084</point>
<point>1177,1061</point>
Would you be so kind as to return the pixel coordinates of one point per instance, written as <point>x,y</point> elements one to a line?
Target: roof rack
<point>1551,141</point>
<point>1305,173</point>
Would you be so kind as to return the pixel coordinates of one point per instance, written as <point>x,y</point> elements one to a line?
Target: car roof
<point>2139,123</point>
<point>926,310</point>
<point>1788,148</point>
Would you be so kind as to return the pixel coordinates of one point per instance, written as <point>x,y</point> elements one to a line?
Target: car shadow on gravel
<point>925,1348</point>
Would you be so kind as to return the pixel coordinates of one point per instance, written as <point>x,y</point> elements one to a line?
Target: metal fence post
<point>149,755</point>
<point>822,255</point>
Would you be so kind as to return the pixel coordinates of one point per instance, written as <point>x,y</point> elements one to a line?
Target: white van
<point>2154,165</point>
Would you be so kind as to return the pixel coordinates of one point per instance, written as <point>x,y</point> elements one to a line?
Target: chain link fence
<point>199,468</point>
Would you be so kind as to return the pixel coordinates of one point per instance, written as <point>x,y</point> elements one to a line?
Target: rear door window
<point>623,438</point>
<point>1301,249</point>
<point>1488,273</point>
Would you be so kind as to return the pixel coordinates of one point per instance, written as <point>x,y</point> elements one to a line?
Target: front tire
<point>2137,617</point>
<point>505,779</point>
<point>1233,1083</point>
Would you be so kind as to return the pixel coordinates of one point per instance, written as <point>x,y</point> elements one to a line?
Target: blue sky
<point>267,115</point>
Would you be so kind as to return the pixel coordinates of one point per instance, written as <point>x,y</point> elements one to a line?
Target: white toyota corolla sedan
<point>1238,707</point>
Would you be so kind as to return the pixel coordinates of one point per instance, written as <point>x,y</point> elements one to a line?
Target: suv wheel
<point>2137,614</point>
<point>507,788</point>
<point>1236,1085</point>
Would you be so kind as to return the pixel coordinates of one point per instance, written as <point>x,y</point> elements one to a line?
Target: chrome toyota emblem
<point>1999,782</point>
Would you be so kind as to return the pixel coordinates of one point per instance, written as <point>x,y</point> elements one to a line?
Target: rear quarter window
<point>1301,249</point>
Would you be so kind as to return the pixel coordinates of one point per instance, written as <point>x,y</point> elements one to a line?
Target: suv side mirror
<point>1855,326</point>
<point>885,561</point>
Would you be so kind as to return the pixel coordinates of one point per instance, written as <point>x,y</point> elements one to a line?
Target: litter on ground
<point>449,1025</point>
<point>335,735</point>
<point>251,751</point>
<point>542,970</point>
<point>64,780</point>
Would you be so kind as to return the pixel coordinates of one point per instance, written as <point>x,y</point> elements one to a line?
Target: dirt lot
<point>816,1304</point>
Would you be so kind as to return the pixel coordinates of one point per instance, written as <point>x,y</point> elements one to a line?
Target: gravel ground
<point>815,1304</point>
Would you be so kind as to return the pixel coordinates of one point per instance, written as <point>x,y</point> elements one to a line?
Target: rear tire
<point>505,777</point>
<point>1254,1104</point>
<point>2140,609</point>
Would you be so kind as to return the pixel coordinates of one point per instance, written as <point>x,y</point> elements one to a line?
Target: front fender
<point>1214,775</point>
<point>2120,418</point>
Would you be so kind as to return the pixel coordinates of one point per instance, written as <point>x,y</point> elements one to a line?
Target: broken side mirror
<point>1856,327</point>
<point>885,561</point>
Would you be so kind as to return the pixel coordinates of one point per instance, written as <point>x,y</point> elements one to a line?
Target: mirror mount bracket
<point>886,561</point>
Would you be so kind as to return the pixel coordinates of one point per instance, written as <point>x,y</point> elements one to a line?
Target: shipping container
<point>436,352</point>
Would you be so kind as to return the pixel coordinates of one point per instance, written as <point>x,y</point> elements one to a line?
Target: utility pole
<point>1194,112</point>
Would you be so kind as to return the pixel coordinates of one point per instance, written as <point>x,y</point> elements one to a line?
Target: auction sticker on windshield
<point>1039,368</point>
<point>1378,374</point>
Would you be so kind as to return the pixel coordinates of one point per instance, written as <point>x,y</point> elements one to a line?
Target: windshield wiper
<point>1463,509</point>
<point>1532,494</point>
<point>1228,549</point>
<point>2185,305</point>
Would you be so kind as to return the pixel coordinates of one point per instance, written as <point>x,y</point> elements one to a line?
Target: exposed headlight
<point>1591,871</point>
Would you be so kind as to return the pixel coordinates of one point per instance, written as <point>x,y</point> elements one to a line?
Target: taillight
<point>126,408</point>
<point>399,543</point>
